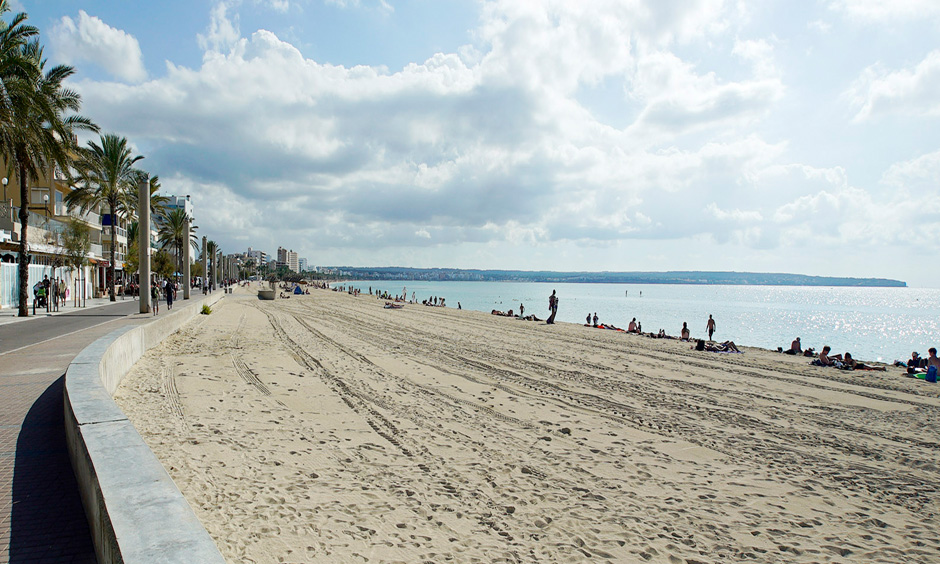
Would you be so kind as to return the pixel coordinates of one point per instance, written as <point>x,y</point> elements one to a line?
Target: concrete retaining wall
<point>136,512</point>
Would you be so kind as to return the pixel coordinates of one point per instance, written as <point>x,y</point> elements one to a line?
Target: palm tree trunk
<point>23,267</point>
<point>111,261</point>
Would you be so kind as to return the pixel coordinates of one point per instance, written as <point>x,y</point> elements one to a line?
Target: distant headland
<point>670,277</point>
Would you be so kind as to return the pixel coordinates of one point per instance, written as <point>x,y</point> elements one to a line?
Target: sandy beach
<point>324,428</point>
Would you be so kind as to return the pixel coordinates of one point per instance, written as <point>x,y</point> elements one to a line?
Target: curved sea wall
<point>135,511</point>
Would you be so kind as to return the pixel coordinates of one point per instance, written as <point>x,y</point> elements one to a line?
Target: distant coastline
<point>670,277</point>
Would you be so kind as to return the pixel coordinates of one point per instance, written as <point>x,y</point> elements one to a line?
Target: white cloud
<point>912,91</point>
<point>679,100</point>
<point>223,31</point>
<point>735,215</point>
<point>467,154</point>
<point>759,53</point>
<point>820,26</point>
<point>877,11</point>
<point>916,183</point>
<point>281,6</point>
<point>87,38</point>
<point>381,6</point>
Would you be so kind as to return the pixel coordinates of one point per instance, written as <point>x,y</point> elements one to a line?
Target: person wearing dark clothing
<point>552,307</point>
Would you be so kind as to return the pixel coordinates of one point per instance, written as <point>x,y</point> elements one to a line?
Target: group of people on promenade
<point>167,289</point>
<point>50,294</point>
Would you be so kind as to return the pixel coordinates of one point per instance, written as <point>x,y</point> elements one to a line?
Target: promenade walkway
<point>41,515</point>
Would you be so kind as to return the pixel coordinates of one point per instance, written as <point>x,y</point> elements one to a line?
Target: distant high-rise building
<point>260,257</point>
<point>288,258</point>
<point>302,264</point>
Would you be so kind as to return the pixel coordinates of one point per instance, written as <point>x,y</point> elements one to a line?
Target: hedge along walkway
<point>41,515</point>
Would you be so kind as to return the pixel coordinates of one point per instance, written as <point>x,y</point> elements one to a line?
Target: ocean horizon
<point>876,324</point>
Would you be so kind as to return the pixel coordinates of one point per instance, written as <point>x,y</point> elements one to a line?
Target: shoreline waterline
<point>877,324</point>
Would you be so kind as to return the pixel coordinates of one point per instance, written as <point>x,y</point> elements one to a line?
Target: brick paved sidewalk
<point>11,314</point>
<point>41,516</point>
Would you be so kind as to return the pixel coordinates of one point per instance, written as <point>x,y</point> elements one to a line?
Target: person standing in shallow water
<point>552,307</point>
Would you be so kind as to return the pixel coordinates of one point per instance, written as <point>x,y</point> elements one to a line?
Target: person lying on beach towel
<point>851,363</point>
<point>390,305</point>
<point>726,347</point>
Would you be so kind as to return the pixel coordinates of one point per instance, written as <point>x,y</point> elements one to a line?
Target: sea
<point>874,324</point>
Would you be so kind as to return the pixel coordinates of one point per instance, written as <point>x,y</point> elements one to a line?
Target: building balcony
<point>43,232</point>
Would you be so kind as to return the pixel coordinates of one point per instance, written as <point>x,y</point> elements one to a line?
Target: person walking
<point>552,307</point>
<point>710,327</point>
<point>169,294</point>
<point>155,298</point>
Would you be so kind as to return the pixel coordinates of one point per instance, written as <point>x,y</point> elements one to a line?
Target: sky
<point>621,135</point>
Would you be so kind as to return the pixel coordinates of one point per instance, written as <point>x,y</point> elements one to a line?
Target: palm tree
<point>106,173</point>
<point>212,251</point>
<point>128,205</point>
<point>132,256</point>
<point>172,232</point>
<point>35,134</point>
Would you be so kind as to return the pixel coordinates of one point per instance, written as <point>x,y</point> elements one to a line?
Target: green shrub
<point>206,310</point>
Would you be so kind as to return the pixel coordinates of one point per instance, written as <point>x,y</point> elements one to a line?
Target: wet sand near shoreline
<point>326,428</point>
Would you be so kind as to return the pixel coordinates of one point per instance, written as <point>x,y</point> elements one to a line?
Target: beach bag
<point>931,374</point>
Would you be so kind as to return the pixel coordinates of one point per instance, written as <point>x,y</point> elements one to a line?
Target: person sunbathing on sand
<point>632,326</point>
<point>855,365</point>
<point>932,359</point>
<point>795,347</point>
<point>829,360</point>
<point>727,346</point>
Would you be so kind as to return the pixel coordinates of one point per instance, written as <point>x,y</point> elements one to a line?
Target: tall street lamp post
<point>143,241</point>
<point>187,248</point>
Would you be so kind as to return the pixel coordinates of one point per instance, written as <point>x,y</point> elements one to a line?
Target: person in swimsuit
<point>828,360</point>
<point>710,327</point>
<point>685,334</point>
<point>932,359</point>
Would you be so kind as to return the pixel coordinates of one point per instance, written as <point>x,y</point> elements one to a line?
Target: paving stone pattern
<point>41,515</point>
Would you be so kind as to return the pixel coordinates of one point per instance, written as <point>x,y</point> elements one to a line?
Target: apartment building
<point>48,217</point>
<point>288,258</point>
